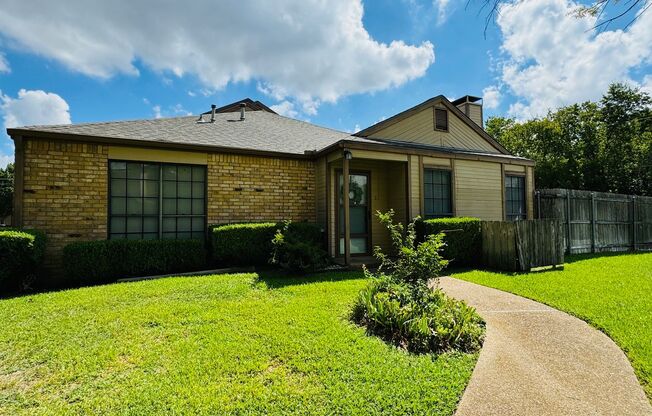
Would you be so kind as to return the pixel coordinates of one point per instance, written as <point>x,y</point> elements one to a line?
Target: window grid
<point>156,200</point>
<point>515,198</point>
<point>437,193</point>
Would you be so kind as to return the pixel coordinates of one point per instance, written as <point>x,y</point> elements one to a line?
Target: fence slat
<point>522,245</point>
<point>599,221</point>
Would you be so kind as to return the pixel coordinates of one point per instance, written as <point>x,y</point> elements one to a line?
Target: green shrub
<point>250,244</point>
<point>297,247</point>
<point>243,244</point>
<point>21,254</point>
<point>462,235</point>
<point>413,263</point>
<point>108,260</point>
<point>399,306</point>
<point>432,322</point>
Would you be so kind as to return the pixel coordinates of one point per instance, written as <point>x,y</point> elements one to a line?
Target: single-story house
<point>173,177</point>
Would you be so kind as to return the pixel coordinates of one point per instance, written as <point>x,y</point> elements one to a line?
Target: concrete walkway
<point>537,360</point>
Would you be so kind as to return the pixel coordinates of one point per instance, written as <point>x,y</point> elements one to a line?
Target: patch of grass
<point>229,344</point>
<point>611,292</point>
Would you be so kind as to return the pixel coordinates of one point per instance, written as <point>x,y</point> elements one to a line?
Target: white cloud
<point>34,107</point>
<point>491,97</point>
<point>442,10</point>
<point>286,109</point>
<point>312,51</point>
<point>170,111</point>
<point>31,107</point>
<point>646,85</point>
<point>551,58</point>
<point>5,160</point>
<point>4,64</point>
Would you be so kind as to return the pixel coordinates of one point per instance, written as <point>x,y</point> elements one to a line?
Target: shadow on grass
<point>547,269</point>
<point>276,279</point>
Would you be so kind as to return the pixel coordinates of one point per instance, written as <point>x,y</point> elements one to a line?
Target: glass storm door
<point>358,212</point>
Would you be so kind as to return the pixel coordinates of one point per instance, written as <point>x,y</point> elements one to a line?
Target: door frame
<point>366,173</point>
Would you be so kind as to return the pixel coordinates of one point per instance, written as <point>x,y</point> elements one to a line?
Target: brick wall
<point>249,188</point>
<point>66,190</point>
<point>65,193</point>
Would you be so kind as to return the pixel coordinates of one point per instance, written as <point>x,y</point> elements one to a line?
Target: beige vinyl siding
<point>396,184</point>
<point>478,190</point>
<point>157,155</point>
<point>514,168</point>
<point>436,162</point>
<point>419,128</point>
<point>415,187</point>
<point>475,113</point>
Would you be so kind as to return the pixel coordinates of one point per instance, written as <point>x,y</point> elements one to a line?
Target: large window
<point>515,198</point>
<point>437,193</point>
<point>156,200</point>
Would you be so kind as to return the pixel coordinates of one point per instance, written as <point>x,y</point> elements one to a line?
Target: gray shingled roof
<point>261,130</point>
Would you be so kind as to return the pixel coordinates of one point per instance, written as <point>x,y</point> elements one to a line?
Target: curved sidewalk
<point>537,360</point>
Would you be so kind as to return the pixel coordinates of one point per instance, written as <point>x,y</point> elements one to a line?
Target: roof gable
<point>416,125</point>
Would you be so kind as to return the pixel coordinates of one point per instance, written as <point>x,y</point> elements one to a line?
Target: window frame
<point>451,191</point>
<point>160,198</point>
<point>445,112</point>
<point>510,216</point>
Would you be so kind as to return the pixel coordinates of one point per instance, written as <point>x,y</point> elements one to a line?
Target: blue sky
<point>344,65</point>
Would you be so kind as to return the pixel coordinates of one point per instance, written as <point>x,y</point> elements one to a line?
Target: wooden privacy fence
<point>598,221</point>
<point>522,245</point>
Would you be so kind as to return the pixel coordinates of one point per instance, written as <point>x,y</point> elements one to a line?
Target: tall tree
<point>6,190</point>
<point>600,146</point>
<point>627,119</point>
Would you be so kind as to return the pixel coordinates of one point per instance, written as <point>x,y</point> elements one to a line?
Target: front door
<point>359,212</point>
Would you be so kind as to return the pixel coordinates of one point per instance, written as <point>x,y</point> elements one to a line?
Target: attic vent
<point>441,119</point>
<point>242,111</point>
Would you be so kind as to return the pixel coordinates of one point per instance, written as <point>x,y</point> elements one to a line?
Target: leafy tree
<point>604,12</point>
<point>6,190</point>
<point>627,119</point>
<point>600,146</point>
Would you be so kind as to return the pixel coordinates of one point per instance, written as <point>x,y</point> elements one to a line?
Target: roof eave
<point>152,144</point>
<point>406,149</point>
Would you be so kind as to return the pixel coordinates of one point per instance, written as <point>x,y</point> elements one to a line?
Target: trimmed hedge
<point>108,260</point>
<point>21,254</point>
<point>463,238</point>
<point>250,244</point>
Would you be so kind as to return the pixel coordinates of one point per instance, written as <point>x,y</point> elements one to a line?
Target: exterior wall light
<point>347,154</point>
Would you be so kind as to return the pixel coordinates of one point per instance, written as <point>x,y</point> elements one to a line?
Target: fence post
<point>594,224</point>
<point>568,221</point>
<point>634,222</point>
<point>538,204</point>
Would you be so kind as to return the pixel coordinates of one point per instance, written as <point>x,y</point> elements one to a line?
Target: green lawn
<point>612,292</point>
<point>230,344</point>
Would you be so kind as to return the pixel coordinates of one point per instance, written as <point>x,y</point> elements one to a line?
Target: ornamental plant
<point>403,304</point>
